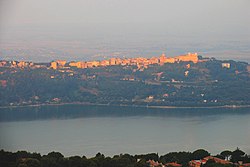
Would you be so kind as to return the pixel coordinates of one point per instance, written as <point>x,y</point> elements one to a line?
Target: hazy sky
<point>190,20</point>
<point>187,15</point>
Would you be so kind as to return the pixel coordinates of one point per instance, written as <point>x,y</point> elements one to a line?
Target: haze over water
<point>87,130</point>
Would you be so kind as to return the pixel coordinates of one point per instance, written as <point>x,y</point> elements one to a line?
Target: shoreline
<point>125,105</point>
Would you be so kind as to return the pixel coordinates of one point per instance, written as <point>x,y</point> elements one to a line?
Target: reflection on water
<point>86,130</point>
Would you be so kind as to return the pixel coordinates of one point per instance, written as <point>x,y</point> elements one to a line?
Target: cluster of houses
<point>152,163</point>
<point>140,62</point>
<point>196,163</point>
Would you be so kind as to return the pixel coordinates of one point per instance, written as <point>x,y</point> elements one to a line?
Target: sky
<point>129,27</point>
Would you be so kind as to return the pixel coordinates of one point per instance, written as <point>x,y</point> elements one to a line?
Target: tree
<point>237,155</point>
<point>226,154</point>
<point>75,161</point>
<point>53,159</point>
<point>200,154</point>
<point>55,155</point>
<point>31,162</point>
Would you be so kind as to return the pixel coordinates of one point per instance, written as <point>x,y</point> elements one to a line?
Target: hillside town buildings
<point>225,65</point>
<point>197,163</point>
<point>140,62</point>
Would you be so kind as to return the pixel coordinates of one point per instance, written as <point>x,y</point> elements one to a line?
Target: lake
<point>87,130</point>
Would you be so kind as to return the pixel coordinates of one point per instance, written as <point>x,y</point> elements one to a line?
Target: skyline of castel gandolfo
<point>140,62</point>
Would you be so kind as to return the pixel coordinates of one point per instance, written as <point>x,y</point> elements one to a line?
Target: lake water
<point>86,130</point>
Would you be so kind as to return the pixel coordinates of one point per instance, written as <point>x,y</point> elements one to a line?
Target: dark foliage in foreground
<point>56,159</point>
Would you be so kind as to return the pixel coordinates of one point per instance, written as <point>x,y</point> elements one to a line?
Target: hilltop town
<point>186,80</point>
<point>140,62</point>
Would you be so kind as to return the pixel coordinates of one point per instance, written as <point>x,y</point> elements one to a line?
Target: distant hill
<point>178,81</point>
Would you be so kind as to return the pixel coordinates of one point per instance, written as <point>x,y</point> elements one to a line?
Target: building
<point>125,62</point>
<point>217,160</point>
<point>162,59</point>
<point>244,165</point>
<point>140,62</point>
<point>95,63</point>
<point>248,68</point>
<point>112,61</point>
<point>193,57</point>
<point>3,63</point>
<point>154,60</point>
<point>225,65</point>
<point>170,60</point>
<point>61,63</point>
<point>91,64</point>
<point>22,64</point>
<point>104,63</point>
<point>198,163</point>
<point>152,163</point>
<point>173,164</point>
<point>53,65</point>
<point>79,64</point>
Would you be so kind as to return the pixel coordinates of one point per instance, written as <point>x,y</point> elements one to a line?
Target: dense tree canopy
<point>204,83</point>
<point>56,159</point>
